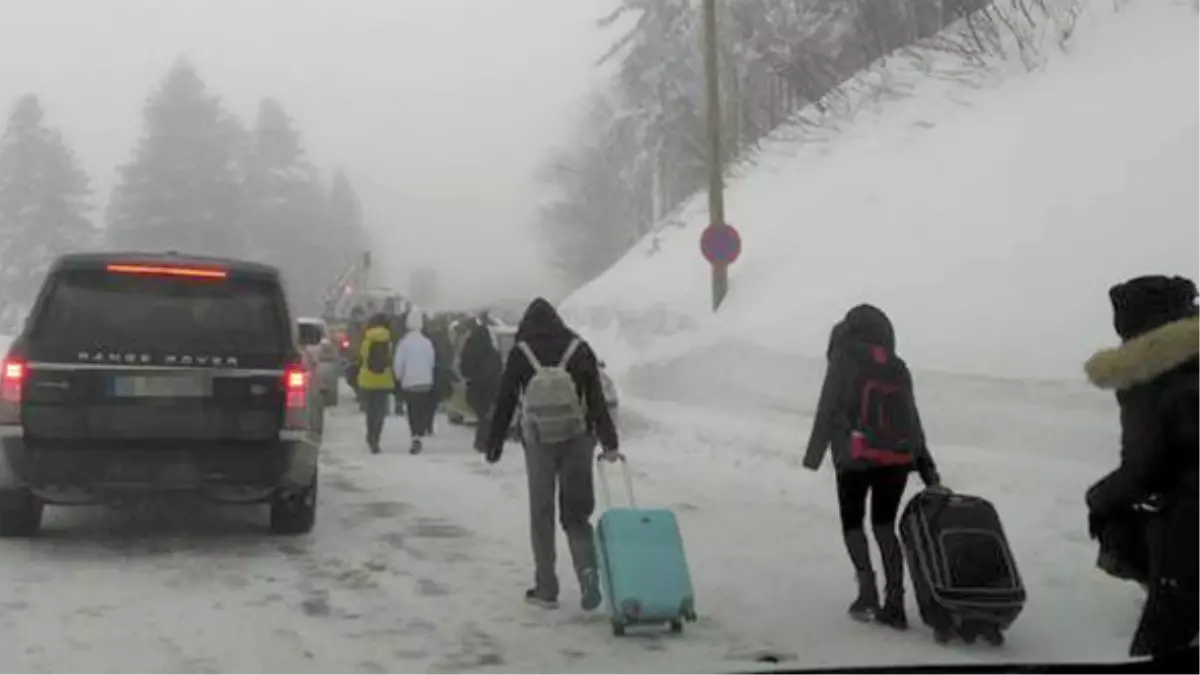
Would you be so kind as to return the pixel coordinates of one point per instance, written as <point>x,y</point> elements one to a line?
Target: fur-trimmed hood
<point>1147,356</point>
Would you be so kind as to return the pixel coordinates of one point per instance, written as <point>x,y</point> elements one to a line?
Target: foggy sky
<point>439,110</point>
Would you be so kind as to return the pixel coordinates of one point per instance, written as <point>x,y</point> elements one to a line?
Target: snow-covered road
<point>419,564</point>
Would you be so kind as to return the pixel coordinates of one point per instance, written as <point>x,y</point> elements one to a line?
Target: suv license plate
<point>160,387</point>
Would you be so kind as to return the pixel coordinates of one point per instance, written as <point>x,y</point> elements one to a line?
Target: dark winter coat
<point>443,374</point>
<point>481,366</point>
<point>851,342</point>
<point>548,337</point>
<point>1155,375</point>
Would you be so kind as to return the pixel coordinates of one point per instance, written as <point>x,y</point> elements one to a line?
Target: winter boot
<point>892,614</point>
<point>589,583</point>
<point>866,604</point>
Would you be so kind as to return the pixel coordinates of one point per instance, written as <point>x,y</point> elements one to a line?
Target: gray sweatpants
<point>569,467</point>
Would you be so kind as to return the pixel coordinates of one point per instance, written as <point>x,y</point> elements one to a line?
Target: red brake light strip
<point>161,270</point>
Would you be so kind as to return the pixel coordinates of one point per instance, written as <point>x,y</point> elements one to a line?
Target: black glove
<point>929,473</point>
<point>493,454</point>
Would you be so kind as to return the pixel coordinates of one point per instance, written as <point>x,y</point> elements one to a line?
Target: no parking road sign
<point>721,244</point>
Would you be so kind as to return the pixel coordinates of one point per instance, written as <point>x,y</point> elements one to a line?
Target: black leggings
<point>886,486</point>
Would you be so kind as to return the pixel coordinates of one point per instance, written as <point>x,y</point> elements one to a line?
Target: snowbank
<point>988,216</point>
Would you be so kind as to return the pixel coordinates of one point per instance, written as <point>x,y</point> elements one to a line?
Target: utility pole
<point>716,197</point>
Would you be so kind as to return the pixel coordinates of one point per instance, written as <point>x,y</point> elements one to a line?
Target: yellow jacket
<point>367,380</point>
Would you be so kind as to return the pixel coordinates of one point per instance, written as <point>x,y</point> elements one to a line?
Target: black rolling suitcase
<point>965,579</point>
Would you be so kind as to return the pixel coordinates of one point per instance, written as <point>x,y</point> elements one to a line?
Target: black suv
<point>143,373</point>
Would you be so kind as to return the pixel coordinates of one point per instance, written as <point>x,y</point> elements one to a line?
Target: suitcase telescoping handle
<point>604,480</point>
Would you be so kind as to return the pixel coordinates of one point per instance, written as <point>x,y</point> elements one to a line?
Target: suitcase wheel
<point>677,626</point>
<point>618,628</point>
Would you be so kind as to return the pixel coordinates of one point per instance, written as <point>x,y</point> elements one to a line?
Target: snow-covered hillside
<point>988,216</point>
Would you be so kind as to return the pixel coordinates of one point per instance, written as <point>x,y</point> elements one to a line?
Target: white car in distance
<point>323,355</point>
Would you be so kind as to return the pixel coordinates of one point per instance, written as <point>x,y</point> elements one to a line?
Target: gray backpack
<point>551,410</point>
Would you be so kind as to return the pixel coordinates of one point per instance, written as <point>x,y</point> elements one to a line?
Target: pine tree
<point>287,211</point>
<point>182,188</point>
<point>346,206</point>
<point>279,183</point>
<point>349,232</point>
<point>43,206</point>
<point>603,202</point>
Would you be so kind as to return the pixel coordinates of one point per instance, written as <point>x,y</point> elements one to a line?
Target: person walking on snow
<point>413,365</point>
<point>1155,376</point>
<point>555,376</point>
<point>396,323</point>
<point>374,379</point>
<point>481,367</point>
<point>864,373</point>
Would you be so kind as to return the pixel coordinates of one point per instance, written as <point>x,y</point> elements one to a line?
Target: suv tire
<point>295,512</point>
<point>20,512</point>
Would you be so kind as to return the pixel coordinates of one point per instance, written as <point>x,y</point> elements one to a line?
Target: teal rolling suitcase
<point>643,570</point>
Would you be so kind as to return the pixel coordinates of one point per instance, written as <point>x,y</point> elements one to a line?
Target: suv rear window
<point>311,334</point>
<point>93,309</point>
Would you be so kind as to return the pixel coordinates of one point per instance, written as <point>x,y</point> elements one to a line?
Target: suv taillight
<point>295,390</point>
<point>12,382</point>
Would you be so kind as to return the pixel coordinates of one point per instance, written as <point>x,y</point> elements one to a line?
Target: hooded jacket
<point>1155,377</point>
<point>851,343</point>
<point>368,380</point>
<point>548,337</point>
<point>480,363</point>
<point>415,357</point>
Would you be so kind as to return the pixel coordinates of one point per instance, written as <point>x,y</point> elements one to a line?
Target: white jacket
<point>413,362</point>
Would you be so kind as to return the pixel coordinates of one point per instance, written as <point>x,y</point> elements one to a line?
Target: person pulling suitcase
<point>868,414</point>
<point>555,376</point>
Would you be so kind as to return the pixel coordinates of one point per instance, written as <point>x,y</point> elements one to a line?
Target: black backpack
<point>884,427</point>
<point>379,356</point>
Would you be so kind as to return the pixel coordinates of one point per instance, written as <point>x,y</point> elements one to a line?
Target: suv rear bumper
<point>82,472</point>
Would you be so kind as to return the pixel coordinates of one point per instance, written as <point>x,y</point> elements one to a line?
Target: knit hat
<point>1145,303</point>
